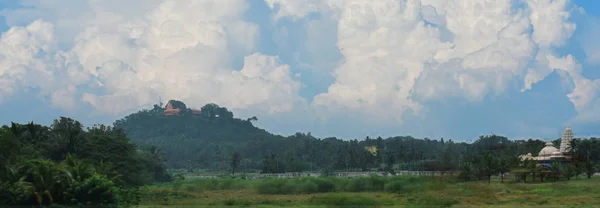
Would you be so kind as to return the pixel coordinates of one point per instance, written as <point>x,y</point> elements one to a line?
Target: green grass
<point>373,191</point>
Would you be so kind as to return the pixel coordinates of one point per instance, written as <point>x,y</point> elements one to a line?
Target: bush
<point>376,183</point>
<point>96,190</point>
<point>234,202</point>
<point>14,194</point>
<point>343,200</point>
<point>296,186</point>
<point>129,197</point>
<point>394,187</point>
<point>304,187</point>
<point>372,183</point>
<point>275,186</point>
<point>433,201</point>
<point>324,185</point>
<point>357,185</point>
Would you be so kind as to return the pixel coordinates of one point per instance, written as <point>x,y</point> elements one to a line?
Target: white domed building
<point>550,153</point>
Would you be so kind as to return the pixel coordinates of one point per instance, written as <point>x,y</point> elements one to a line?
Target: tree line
<point>65,164</point>
<point>217,141</point>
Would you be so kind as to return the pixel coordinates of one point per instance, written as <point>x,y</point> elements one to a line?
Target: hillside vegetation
<point>65,164</point>
<point>215,140</point>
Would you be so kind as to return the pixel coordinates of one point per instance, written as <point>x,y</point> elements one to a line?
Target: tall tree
<point>235,162</point>
<point>466,170</point>
<point>489,165</point>
<point>590,169</point>
<point>504,165</point>
<point>70,136</point>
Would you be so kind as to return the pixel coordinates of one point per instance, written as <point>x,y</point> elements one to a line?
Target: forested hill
<point>203,138</point>
<point>215,124</point>
<point>208,138</point>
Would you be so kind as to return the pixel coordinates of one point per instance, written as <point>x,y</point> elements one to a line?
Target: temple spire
<point>565,142</point>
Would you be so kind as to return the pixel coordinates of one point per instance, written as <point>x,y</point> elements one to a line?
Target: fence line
<point>335,174</point>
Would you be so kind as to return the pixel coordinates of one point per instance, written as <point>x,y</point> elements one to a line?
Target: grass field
<point>373,191</point>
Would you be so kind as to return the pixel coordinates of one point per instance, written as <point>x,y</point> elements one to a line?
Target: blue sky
<point>337,84</point>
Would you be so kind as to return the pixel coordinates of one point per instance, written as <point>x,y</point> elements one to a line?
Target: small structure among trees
<point>174,107</point>
<point>211,110</point>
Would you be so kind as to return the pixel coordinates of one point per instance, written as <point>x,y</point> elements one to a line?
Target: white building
<point>550,153</point>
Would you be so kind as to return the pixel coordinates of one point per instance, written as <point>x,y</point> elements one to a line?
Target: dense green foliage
<point>67,165</point>
<point>210,140</point>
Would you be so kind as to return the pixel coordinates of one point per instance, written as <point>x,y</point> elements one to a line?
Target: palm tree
<point>108,170</point>
<point>35,133</point>
<point>47,180</point>
<point>78,168</point>
<point>15,190</point>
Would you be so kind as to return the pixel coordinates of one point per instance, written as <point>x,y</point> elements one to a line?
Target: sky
<point>346,68</point>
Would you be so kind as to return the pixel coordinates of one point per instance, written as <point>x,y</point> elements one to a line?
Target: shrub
<point>372,183</point>
<point>394,187</point>
<point>433,201</point>
<point>234,202</point>
<point>304,187</point>
<point>324,185</point>
<point>376,183</point>
<point>295,186</point>
<point>95,190</point>
<point>357,184</point>
<point>343,200</point>
<point>274,186</point>
<point>128,197</point>
<point>14,194</point>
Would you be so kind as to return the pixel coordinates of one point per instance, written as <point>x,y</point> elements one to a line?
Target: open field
<point>397,191</point>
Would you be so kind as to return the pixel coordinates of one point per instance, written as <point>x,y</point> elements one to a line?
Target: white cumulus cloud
<point>118,57</point>
<point>398,54</point>
<point>389,59</point>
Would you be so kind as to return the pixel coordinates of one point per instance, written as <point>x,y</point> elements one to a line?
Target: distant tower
<point>565,142</point>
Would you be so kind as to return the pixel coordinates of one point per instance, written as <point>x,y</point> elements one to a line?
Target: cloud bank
<point>404,66</point>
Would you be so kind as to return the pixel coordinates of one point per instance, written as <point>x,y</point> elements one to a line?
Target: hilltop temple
<point>171,111</point>
<point>550,153</point>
